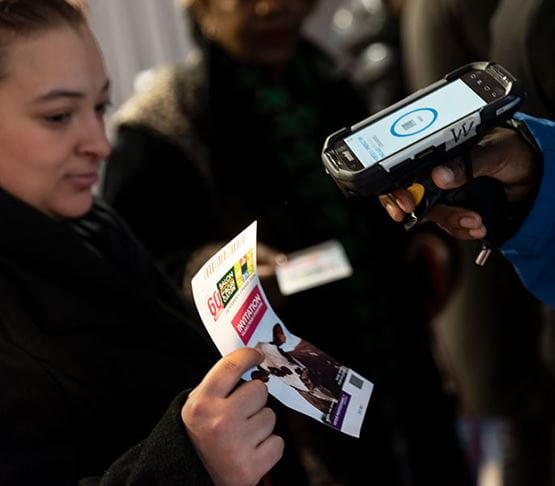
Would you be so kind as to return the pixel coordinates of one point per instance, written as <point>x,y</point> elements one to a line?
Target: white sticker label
<point>314,266</point>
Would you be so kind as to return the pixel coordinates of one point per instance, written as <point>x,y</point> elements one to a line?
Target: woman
<point>94,343</point>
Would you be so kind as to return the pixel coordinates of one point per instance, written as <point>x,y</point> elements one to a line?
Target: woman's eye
<point>58,118</point>
<point>101,108</point>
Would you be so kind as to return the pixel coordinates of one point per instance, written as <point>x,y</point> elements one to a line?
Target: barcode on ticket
<point>356,381</point>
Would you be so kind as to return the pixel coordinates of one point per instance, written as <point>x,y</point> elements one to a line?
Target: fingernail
<point>478,233</point>
<point>468,222</point>
<point>390,208</point>
<point>281,259</point>
<point>444,175</point>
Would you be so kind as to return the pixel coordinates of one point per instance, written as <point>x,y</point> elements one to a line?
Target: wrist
<point>519,209</point>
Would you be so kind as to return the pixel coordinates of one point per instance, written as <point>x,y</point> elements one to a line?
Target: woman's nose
<point>95,141</point>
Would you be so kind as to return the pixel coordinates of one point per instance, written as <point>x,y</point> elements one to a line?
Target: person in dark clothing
<point>97,348</point>
<point>234,134</point>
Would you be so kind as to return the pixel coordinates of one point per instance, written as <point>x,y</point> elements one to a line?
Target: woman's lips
<point>85,180</point>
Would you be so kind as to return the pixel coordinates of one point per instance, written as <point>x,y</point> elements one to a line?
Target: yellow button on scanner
<point>417,191</point>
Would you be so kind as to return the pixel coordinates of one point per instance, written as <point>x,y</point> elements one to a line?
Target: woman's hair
<point>21,18</point>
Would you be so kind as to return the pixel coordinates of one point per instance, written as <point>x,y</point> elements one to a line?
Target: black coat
<point>93,349</point>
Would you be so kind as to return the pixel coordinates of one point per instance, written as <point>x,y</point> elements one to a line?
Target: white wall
<point>135,35</point>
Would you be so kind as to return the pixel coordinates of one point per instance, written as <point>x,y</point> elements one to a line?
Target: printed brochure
<point>236,313</point>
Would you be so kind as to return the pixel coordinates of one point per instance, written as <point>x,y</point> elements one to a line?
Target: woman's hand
<point>231,428</point>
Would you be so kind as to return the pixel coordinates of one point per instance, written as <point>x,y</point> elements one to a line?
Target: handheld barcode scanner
<point>399,146</point>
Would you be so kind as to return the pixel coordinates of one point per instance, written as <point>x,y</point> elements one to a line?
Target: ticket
<point>234,308</point>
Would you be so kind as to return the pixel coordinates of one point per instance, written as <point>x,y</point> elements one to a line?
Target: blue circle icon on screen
<point>414,122</point>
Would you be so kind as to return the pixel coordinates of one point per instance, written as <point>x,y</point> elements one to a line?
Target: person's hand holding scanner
<point>502,154</point>
<point>231,428</point>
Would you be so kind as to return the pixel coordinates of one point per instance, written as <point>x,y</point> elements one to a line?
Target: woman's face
<point>264,32</point>
<point>52,102</point>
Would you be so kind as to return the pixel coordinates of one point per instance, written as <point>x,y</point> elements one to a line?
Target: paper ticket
<point>236,313</point>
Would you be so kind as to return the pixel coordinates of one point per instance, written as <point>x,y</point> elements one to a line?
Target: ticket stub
<point>313,266</point>
<point>236,313</point>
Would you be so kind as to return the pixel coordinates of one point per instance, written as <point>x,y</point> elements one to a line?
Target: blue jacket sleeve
<point>532,249</point>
